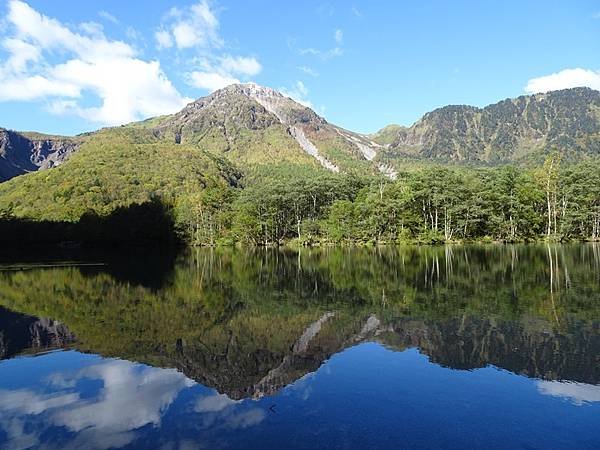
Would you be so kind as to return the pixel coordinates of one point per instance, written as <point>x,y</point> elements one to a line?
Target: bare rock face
<point>20,154</point>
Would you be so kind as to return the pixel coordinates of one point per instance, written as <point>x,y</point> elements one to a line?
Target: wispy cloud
<point>308,71</point>
<point>240,65</point>
<point>567,78</point>
<point>196,29</point>
<point>210,80</point>
<point>195,26</point>
<point>322,54</point>
<point>92,28</point>
<point>325,10</point>
<point>108,16</point>
<point>297,92</point>
<point>338,35</point>
<point>222,71</point>
<point>217,72</point>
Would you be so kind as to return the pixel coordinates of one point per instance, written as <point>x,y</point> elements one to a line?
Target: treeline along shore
<point>424,204</point>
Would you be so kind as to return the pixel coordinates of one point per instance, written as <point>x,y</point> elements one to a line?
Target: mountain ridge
<point>511,130</point>
<point>252,125</point>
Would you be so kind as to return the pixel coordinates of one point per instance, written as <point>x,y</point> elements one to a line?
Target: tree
<point>548,177</point>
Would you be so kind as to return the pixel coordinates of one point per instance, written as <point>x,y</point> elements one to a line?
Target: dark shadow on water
<point>149,267</point>
<point>24,333</point>
<point>135,244</point>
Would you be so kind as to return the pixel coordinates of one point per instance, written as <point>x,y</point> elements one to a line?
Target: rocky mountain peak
<point>287,110</point>
<point>247,106</point>
<point>21,153</point>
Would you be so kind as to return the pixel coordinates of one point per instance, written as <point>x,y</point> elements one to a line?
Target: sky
<point>68,67</point>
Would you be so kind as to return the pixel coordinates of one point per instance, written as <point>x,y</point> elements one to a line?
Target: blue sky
<point>68,67</point>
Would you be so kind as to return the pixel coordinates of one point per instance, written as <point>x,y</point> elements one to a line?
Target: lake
<point>491,346</point>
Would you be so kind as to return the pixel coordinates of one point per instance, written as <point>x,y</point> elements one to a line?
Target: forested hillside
<point>524,129</point>
<point>248,165</point>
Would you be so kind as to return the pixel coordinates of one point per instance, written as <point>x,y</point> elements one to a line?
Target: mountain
<point>113,168</point>
<point>252,125</point>
<point>513,130</point>
<point>21,153</point>
<point>248,124</point>
<point>22,333</point>
<point>246,129</point>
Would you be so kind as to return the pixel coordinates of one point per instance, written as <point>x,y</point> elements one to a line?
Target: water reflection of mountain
<point>250,323</point>
<point>529,348</point>
<point>21,333</point>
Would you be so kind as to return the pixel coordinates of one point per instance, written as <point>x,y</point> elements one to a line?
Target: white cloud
<point>323,54</point>
<point>50,34</point>
<point>92,28</point>
<point>578,393</point>
<point>185,35</point>
<point>131,397</point>
<point>73,67</point>
<point>35,87</point>
<point>163,38</point>
<point>308,71</point>
<point>338,36</point>
<point>210,81</point>
<point>241,65</point>
<point>133,34</point>
<point>217,72</point>
<point>298,92</point>
<point>214,403</point>
<point>197,26</point>
<point>219,410</point>
<point>567,78</point>
<point>21,53</point>
<point>223,72</point>
<point>108,16</point>
<point>128,88</point>
<point>246,419</point>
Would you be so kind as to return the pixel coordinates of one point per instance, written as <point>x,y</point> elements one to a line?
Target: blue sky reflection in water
<point>365,397</point>
<point>461,347</point>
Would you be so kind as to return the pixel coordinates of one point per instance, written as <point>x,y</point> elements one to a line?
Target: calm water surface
<point>445,347</point>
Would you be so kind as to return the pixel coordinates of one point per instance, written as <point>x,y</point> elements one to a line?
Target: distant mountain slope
<point>513,130</point>
<point>21,153</point>
<point>252,124</point>
<point>116,167</point>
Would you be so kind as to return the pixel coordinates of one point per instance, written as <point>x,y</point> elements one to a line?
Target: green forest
<point>431,204</point>
<point>140,191</point>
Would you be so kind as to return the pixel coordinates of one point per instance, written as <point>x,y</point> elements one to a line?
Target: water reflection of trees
<point>233,318</point>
